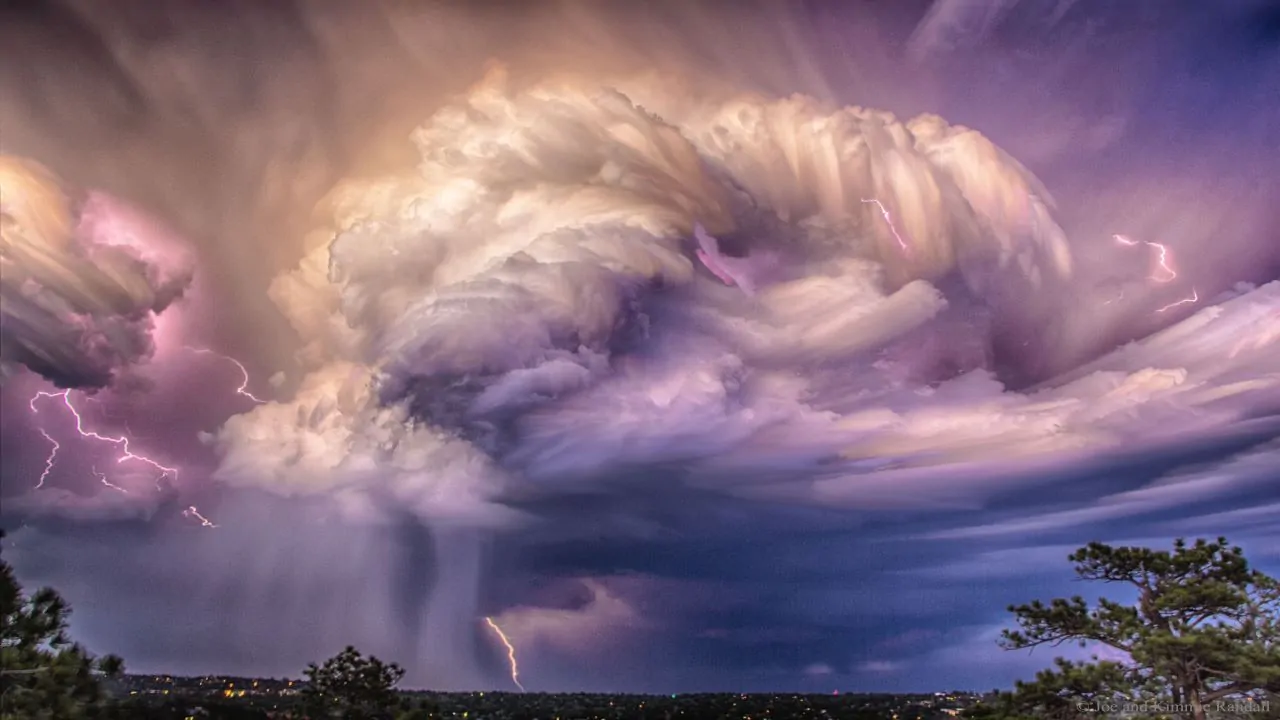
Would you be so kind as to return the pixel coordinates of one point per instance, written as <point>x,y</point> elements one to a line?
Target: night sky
<point>400,309</point>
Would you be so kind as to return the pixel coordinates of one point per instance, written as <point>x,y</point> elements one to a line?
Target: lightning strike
<point>48,461</point>
<point>244,374</point>
<point>1195,297</point>
<point>192,512</point>
<point>122,442</point>
<point>1162,263</point>
<point>511,652</point>
<point>884,212</point>
<point>102,477</point>
<point>1163,271</point>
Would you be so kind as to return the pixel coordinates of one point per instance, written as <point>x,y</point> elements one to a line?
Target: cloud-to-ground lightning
<point>122,442</point>
<point>48,461</point>
<point>511,652</point>
<point>1163,271</point>
<point>1195,297</point>
<point>102,478</point>
<point>192,512</point>
<point>884,212</point>
<point>244,373</point>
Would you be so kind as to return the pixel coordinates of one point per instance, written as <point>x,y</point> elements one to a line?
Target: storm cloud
<point>1007,311</point>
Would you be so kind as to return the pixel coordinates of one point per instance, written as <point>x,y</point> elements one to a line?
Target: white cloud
<point>605,615</point>
<point>880,667</point>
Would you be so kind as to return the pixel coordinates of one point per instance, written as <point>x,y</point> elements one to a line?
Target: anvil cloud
<point>505,384</point>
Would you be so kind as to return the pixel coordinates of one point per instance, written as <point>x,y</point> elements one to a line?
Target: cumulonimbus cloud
<point>525,309</point>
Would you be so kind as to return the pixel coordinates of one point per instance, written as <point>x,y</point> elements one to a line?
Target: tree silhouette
<point>42,673</point>
<point>352,686</point>
<point>1204,629</point>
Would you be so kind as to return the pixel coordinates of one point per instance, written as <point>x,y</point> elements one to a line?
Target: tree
<point>352,686</point>
<point>1204,630</point>
<point>42,673</point>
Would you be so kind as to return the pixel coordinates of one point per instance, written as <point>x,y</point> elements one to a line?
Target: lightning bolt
<point>1194,298</point>
<point>884,212</point>
<point>192,512</point>
<point>511,652</point>
<point>122,442</point>
<point>1162,265</point>
<point>244,374</point>
<point>48,461</point>
<point>1163,271</point>
<point>102,477</point>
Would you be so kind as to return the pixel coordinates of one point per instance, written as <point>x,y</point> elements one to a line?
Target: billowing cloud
<point>534,277</point>
<point>336,434</point>
<point>525,309</point>
<point>84,277</point>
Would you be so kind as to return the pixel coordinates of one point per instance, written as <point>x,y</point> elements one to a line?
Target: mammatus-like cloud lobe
<point>84,277</point>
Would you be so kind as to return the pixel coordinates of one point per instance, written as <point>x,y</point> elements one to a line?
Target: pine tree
<point>1203,631</point>
<point>352,686</point>
<point>43,675</point>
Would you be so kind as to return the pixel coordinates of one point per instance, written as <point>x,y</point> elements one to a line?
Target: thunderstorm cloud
<point>783,359</point>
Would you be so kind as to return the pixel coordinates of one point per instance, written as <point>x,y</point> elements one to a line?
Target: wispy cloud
<point>881,667</point>
<point>1181,491</point>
